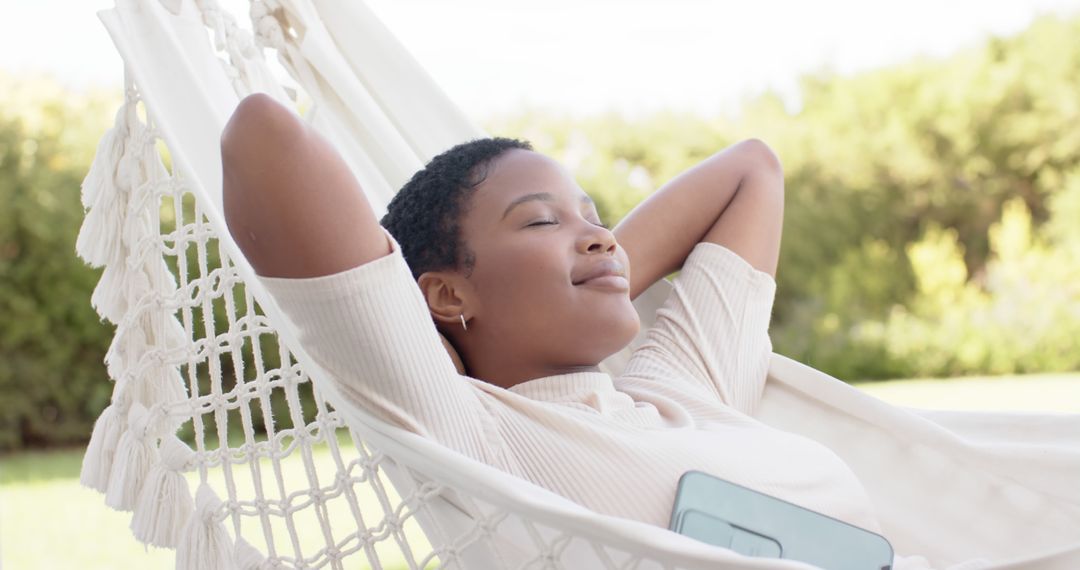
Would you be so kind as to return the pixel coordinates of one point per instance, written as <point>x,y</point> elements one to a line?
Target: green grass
<point>40,466</point>
<point>48,521</point>
<point>1033,392</point>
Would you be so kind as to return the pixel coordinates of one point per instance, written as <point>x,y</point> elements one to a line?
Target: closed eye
<point>543,223</point>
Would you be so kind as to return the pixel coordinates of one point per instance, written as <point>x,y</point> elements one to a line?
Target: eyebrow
<point>538,196</point>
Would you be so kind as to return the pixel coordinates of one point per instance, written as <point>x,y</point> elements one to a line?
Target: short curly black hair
<point>425,215</point>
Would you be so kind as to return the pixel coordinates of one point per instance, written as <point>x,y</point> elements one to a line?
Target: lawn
<point>48,521</point>
<point>1034,392</point>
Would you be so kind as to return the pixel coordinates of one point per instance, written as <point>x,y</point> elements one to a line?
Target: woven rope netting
<point>216,438</point>
<point>279,480</point>
<point>195,356</point>
<point>219,438</point>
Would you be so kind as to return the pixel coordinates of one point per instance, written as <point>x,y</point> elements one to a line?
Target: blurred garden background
<point>931,251</point>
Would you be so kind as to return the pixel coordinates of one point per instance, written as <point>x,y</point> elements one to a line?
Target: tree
<point>52,342</point>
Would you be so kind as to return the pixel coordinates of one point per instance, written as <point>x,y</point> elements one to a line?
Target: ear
<point>446,301</point>
<point>446,295</point>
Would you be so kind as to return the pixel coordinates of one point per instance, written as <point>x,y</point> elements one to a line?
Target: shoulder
<point>715,259</point>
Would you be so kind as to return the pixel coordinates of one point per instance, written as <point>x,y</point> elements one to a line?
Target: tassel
<point>109,226</point>
<point>127,168</point>
<point>116,363</point>
<point>103,170</point>
<point>99,242</point>
<point>138,221</point>
<point>136,361</point>
<point>205,545</point>
<point>173,335</point>
<point>120,288</point>
<point>164,331</point>
<point>247,556</point>
<point>98,460</point>
<point>166,385</point>
<point>165,503</point>
<point>162,280</point>
<point>143,174</point>
<point>109,298</point>
<point>153,167</point>
<point>129,284</point>
<point>160,384</point>
<point>134,338</point>
<point>170,387</point>
<point>131,462</point>
<point>122,357</point>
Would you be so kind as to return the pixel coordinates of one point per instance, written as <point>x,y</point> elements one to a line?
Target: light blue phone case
<point>722,513</point>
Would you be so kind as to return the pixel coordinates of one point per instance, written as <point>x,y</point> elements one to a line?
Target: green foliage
<point>931,223</point>
<point>51,341</point>
<point>1023,315</point>
<point>925,152</point>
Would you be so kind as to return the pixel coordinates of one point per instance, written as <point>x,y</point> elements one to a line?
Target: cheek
<point>521,279</point>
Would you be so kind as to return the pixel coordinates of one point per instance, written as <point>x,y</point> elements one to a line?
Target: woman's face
<point>550,284</point>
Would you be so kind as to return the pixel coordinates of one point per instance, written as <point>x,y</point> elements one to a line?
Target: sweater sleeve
<point>713,329</point>
<point>370,331</point>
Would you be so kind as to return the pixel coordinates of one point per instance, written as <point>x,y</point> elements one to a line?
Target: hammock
<point>277,478</point>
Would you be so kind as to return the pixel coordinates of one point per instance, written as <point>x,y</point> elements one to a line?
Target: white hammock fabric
<point>964,490</point>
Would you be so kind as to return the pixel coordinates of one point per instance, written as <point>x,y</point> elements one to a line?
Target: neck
<point>508,377</point>
<point>501,366</point>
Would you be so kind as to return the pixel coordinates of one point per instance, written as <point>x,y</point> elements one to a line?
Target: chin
<point>613,334</point>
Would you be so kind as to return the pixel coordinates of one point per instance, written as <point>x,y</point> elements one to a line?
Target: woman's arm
<point>734,198</point>
<point>297,212</point>
<point>290,201</point>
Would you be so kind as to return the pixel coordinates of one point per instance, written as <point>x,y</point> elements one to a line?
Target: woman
<point>508,260</point>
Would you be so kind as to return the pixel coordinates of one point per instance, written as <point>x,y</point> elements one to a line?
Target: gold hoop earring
<point>463,325</point>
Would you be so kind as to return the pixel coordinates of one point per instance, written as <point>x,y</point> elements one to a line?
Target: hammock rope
<point>160,383</point>
<point>274,477</point>
<point>177,363</point>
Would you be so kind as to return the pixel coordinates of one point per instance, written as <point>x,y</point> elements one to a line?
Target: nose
<point>596,239</point>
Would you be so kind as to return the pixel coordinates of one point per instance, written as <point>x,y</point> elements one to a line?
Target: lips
<point>606,268</point>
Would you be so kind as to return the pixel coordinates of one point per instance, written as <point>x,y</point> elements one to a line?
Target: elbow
<point>762,165</point>
<point>761,157</point>
<point>254,144</point>
<point>258,126</point>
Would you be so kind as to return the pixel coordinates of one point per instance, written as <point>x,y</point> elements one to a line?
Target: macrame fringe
<point>136,360</point>
<point>98,459</point>
<point>159,385</point>
<point>139,219</point>
<point>131,340</point>
<point>109,298</point>
<point>103,169</point>
<point>165,331</point>
<point>165,385</point>
<point>99,241</point>
<point>205,544</point>
<point>122,354</point>
<point>165,504</point>
<point>120,288</point>
<point>134,455</point>
<point>161,278</point>
<point>122,213</point>
<point>248,557</point>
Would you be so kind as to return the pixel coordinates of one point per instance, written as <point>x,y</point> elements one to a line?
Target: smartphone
<point>722,513</point>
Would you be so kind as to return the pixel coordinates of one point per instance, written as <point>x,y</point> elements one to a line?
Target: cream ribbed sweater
<point>615,445</point>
